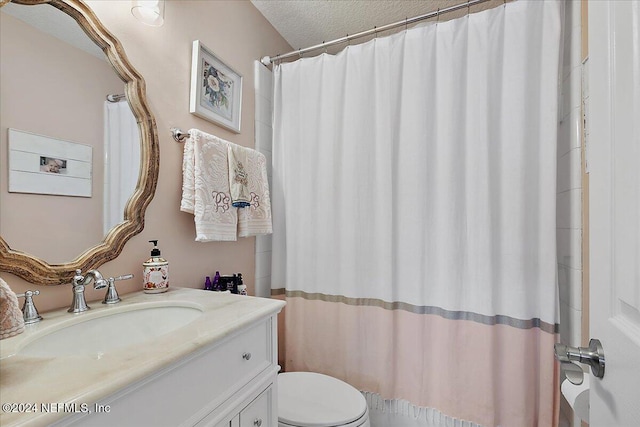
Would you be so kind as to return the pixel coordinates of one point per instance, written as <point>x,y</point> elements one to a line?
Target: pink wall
<point>238,34</point>
<point>53,89</point>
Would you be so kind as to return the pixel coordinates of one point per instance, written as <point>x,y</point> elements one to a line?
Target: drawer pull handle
<point>247,356</point>
<point>257,422</point>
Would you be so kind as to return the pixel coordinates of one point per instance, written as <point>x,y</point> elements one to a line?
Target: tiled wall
<point>569,193</point>
<point>569,187</point>
<point>263,137</point>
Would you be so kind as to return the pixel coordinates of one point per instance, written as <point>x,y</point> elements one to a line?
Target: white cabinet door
<point>614,209</point>
<point>259,413</point>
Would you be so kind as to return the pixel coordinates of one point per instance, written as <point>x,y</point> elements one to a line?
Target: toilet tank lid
<point>309,399</point>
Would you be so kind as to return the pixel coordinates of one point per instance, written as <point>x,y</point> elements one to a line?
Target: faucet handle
<point>111,297</point>
<point>29,310</point>
<point>78,277</point>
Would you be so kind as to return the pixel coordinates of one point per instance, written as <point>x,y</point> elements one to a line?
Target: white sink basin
<point>99,335</point>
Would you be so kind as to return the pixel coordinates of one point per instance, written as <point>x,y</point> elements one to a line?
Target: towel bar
<point>179,135</point>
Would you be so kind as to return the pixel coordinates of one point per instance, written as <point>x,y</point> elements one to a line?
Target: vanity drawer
<point>241,359</point>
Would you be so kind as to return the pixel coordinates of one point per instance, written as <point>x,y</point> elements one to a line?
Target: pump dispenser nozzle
<point>155,251</point>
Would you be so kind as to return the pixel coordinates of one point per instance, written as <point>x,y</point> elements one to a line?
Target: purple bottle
<point>216,282</point>
<point>207,284</point>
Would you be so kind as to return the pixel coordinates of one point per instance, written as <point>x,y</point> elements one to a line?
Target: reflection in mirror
<point>54,83</point>
<point>58,66</point>
<point>121,159</point>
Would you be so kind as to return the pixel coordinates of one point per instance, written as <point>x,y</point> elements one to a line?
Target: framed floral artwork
<point>216,89</point>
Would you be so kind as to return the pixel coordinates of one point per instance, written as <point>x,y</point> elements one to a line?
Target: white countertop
<point>86,379</point>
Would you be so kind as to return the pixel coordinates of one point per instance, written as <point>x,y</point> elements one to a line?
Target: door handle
<point>592,356</point>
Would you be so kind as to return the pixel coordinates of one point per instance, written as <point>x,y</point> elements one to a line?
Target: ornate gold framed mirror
<point>46,270</point>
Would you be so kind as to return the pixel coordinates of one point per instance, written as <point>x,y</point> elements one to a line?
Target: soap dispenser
<point>156,272</point>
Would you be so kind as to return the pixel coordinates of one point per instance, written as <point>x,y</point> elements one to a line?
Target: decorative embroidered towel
<point>255,219</point>
<point>238,176</point>
<point>11,319</point>
<point>205,187</point>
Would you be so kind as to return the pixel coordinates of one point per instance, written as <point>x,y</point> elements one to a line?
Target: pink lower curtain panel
<point>414,200</point>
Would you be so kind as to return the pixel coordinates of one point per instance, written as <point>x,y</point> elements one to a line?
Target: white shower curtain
<point>121,160</point>
<point>414,189</point>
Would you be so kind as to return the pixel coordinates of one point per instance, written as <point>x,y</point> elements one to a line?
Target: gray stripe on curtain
<point>552,328</point>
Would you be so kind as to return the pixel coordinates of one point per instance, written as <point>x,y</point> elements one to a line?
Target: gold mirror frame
<point>38,271</point>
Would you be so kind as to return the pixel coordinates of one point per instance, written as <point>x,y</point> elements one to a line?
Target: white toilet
<point>307,399</point>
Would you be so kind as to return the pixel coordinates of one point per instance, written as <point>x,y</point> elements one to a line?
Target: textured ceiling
<point>305,23</point>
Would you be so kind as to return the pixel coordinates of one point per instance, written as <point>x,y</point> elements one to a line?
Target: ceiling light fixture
<point>149,12</point>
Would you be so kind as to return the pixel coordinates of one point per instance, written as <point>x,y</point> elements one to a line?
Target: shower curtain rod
<point>116,98</point>
<point>267,60</point>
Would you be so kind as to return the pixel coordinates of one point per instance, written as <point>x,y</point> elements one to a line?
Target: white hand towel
<point>238,176</point>
<point>205,187</point>
<point>255,219</point>
<point>11,318</point>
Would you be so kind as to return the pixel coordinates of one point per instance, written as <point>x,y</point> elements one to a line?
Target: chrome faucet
<point>79,303</point>
<point>111,296</point>
<point>29,310</point>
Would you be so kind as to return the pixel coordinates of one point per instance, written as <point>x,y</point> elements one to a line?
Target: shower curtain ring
<point>437,16</point>
<point>405,23</point>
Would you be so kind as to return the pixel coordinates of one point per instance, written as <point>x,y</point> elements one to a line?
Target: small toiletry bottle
<point>216,282</point>
<point>242,288</point>
<point>207,284</point>
<point>232,284</point>
<point>155,272</point>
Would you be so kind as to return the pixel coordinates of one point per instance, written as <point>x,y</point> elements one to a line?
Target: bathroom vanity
<point>184,358</point>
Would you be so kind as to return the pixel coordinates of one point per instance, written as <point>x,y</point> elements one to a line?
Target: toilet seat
<point>307,399</point>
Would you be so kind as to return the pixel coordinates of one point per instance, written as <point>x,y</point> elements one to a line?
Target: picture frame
<point>216,89</point>
<point>45,165</point>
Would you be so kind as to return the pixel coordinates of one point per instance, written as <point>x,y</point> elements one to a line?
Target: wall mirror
<point>79,171</point>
